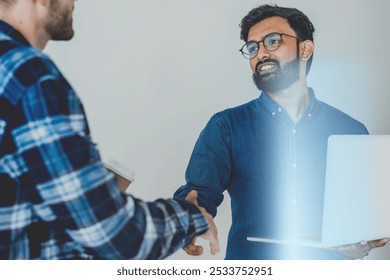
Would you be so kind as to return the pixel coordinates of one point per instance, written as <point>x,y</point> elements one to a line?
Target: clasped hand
<point>211,234</point>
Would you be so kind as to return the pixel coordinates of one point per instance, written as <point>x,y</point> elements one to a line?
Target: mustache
<point>266,61</point>
<point>261,62</point>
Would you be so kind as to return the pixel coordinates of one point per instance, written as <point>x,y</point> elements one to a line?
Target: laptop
<point>357,192</point>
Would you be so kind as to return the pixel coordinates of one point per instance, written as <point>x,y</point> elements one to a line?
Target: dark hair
<point>297,20</point>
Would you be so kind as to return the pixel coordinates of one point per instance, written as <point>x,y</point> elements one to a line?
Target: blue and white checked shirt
<point>57,200</point>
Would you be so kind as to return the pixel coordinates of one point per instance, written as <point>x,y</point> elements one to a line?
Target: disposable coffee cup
<point>123,174</point>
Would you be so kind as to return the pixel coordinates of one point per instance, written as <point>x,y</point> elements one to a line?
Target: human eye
<point>252,47</point>
<point>272,40</point>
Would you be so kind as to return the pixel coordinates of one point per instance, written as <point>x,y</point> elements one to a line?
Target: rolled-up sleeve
<point>209,167</point>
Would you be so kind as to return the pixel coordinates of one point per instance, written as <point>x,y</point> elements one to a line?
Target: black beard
<point>281,79</point>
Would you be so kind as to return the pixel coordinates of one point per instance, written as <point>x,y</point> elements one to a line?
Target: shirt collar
<point>274,108</point>
<point>8,30</point>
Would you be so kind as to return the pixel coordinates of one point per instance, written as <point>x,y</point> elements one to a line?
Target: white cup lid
<point>120,169</point>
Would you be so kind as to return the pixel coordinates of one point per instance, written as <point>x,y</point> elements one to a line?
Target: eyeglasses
<point>271,42</point>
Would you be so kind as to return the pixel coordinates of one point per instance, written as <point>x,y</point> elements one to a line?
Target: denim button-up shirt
<point>273,170</point>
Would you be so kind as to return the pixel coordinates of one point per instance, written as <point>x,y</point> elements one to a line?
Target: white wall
<point>151,73</point>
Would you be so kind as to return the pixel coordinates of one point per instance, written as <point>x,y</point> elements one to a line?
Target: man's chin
<point>272,83</point>
<point>265,82</point>
<point>63,37</point>
<point>267,78</point>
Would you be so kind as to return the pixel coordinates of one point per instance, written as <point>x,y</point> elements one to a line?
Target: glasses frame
<point>248,56</point>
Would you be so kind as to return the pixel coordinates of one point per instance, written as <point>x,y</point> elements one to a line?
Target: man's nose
<point>262,53</point>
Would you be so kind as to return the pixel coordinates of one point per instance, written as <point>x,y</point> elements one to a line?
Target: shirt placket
<point>290,131</point>
<point>293,162</point>
<point>293,182</point>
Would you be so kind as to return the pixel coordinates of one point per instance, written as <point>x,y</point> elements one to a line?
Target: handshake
<point>211,235</point>
<point>125,177</point>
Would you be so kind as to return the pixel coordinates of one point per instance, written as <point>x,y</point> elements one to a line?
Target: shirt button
<point>309,115</point>
<point>279,109</point>
<point>273,113</point>
<point>294,131</point>
<point>294,165</point>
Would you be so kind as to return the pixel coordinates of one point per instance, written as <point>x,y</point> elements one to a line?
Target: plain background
<point>151,73</point>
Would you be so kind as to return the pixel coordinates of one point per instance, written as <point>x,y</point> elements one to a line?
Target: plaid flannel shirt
<point>57,200</point>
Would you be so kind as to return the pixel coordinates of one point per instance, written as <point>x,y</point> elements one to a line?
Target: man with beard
<point>269,154</point>
<point>57,200</point>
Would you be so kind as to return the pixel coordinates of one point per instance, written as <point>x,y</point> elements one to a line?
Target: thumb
<point>192,196</point>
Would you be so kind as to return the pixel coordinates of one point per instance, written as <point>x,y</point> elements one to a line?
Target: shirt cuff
<point>197,222</point>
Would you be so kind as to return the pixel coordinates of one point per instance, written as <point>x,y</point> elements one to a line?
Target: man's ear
<point>41,8</point>
<point>307,49</point>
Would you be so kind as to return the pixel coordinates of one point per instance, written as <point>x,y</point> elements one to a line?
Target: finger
<point>193,250</point>
<point>212,236</point>
<point>191,245</point>
<point>214,242</point>
<point>379,242</point>
<point>189,248</point>
<point>192,196</point>
<point>214,247</point>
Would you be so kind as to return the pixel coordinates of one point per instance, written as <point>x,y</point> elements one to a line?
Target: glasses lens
<point>250,49</point>
<point>272,41</point>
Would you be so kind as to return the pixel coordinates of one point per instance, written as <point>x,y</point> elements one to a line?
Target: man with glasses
<point>269,154</point>
<point>57,200</point>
